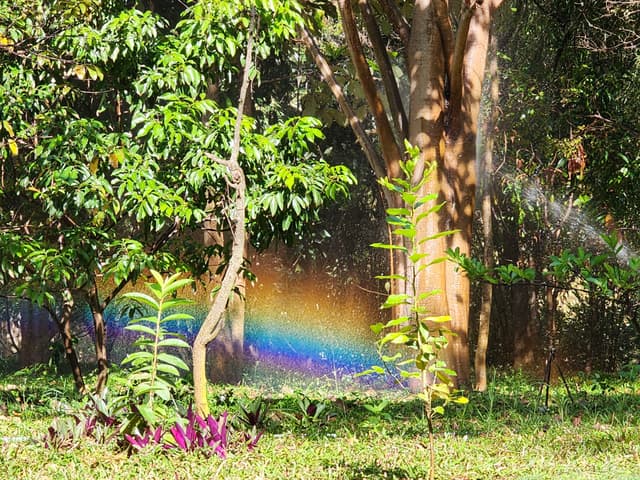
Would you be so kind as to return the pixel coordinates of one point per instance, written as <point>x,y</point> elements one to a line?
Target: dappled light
<point>358,239</point>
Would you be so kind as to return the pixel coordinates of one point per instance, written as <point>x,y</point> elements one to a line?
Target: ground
<point>505,433</point>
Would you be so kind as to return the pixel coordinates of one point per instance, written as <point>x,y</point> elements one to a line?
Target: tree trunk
<point>100,338</point>
<point>446,133</point>
<point>485,168</point>
<point>445,70</point>
<point>214,320</point>
<point>236,180</point>
<point>35,333</point>
<point>525,321</point>
<point>63,322</point>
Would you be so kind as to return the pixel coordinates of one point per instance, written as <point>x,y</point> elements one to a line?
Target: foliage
<point>423,335</point>
<point>206,435</point>
<point>416,338</point>
<point>606,281</point>
<point>499,432</point>
<point>130,190</point>
<point>96,421</point>
<point>310,410</point>
<point>154,371</point>
<point>253,413</point>
<point>597,314</point>
<point>508,274</point>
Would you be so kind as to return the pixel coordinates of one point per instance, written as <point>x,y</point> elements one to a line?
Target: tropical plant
<point>311,410</point>
<point>253,413</point>
<point>206,435</point>
<point>97,420</point>
<point>153,370</point>
<point>415,337</point>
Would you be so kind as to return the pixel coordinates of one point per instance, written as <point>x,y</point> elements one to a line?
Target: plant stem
<point>154,363</point>
<point>432,447</point>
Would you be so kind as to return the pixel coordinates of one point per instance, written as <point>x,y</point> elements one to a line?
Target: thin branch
<point>386,70</point>
<point>376,163</point>
<point>455,80</point>
<point>391,151</point>
<point>213,322</point>
<point>397,20</point>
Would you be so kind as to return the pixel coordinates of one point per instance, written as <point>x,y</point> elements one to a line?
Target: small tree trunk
<point>100,332</point>
<point>214,321</point>
<point>485,168</point>
<point>226,358</point>
<point>63,322</point>
<point>236,180</point>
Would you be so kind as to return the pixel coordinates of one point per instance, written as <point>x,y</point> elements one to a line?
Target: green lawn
<point>502,434</point>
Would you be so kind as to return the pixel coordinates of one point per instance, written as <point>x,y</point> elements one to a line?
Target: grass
<point>504,433</point>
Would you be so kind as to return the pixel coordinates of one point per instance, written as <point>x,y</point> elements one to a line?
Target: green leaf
<point>166,368</point>
<point>388,246</point>
<point>409,233</point>
<point>438,319</point>
<point>143,298</point>
<point>148,414</point>
<point>397,321</point>
<point>399,211</point>
<point>172,360</point>
<point>175,302</point>
<point>388,359</point>
<point>141,328</point>
<point>416,257</point>
<point>173,285</point>
<point>177,316</point>
<point>377,328</point>
<point>13,147</point>
<point>173,342</point>
<point>146,356</point>
<point>437,235</point>
<point>396,299</point>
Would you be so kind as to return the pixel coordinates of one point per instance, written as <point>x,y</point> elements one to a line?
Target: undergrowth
<point>504,433</point>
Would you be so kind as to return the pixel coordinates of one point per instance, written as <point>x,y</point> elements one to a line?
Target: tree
<point>443,58</point>
<point>107,132</point>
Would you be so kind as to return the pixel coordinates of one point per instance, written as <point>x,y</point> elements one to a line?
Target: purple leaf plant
<point>199,433</point>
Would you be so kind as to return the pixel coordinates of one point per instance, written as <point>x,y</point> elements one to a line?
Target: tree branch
<point>388,79</point>
<point>455,79</point>
<point>391,151</point>
<point>213,322</point>
<point>446,34</point>
<point>397,20</point>
<point>376,163</point>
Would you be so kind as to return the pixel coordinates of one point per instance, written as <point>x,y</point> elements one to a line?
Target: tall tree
<point>443,47</point>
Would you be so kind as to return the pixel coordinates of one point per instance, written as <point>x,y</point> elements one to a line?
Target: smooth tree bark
<point>445,67</point>
<point>486,170</point>
<point>214,321</point>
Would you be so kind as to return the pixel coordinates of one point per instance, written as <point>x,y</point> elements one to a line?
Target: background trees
<point>562,137</point>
